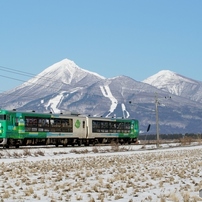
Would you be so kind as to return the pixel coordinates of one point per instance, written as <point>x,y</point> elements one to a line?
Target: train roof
<point>109,118</point>
<point>67,114</point>
<point>39,113</point>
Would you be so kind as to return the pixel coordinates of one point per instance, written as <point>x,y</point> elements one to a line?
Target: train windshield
<point>2,116</point>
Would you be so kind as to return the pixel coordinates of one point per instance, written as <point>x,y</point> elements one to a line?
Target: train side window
<point>55,125</point>
<point>43,124</point>
<point>31,123</point>
<point>83,124</point>
<point>127,127</point>
<point>96,126</point>
<point>40,122</point>
<point>106,126</point>
<point>102,127</point>
<point>65,122</point>
<point>67,125</point>
<point>112,127</point>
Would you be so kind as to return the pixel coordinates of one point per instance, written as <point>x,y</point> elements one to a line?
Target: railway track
<point>107,147</point>
<point>60,146</point>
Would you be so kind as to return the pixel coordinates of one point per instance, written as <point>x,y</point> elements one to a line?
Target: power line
<point>30,82</point>
<point>8,77</point>
<point>26,74</point>
<point>7,69</point>
<point>23,73</point>
<point>33,76</point>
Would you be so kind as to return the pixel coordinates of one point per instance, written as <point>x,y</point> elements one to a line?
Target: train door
<point>79,127</point>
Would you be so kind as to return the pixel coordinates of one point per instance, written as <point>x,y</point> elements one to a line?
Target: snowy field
<point>104,174</point>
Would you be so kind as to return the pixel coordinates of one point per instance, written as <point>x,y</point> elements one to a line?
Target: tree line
<point>169,136</point>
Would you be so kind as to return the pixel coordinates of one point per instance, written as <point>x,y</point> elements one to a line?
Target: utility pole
<point>157,121</point>
<point>157,118</point>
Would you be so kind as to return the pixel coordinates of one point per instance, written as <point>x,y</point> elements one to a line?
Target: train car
<point>107,130</point>
<point>31,128</point>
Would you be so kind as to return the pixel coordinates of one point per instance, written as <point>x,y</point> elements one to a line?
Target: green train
<point>32,128</point>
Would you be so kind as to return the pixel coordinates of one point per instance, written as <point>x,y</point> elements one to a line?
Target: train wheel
<point>11,142</point>
<point>95,141</point>
<point>129,141</point>
<point>79,143</point>
<point>7,146</point>
<point>121,141</point>
<point>86,143</point>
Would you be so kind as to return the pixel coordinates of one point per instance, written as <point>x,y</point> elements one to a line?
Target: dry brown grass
<point>186,140</point>
<point>27,152</point>
<point>113,177</point>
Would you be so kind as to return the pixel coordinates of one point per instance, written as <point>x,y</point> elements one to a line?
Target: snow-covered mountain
<point>66,87</point>
<point>177,84</point>
<point>61,78</point>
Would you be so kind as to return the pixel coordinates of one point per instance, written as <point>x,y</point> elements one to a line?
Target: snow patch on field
<point>114,173</point>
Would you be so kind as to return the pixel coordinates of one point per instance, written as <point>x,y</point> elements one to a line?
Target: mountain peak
<point>64,71</point>
<point>170,81</point>
<point>65,65</point>
<point>70,64</point>
<point>162,76</point>
<point>165,76</point>
<point>71,67</point>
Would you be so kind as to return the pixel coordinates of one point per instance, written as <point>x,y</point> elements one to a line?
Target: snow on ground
<point>104,174</point>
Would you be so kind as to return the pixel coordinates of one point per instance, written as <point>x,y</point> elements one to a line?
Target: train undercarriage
<point>8,142</point>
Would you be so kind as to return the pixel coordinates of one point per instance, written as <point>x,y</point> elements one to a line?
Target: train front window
<point>3,117</point>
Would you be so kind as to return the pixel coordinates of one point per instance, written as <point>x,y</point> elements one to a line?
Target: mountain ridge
<point>67,87</point>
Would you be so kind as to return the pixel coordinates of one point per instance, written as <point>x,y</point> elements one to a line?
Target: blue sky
<point>109,37</point>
